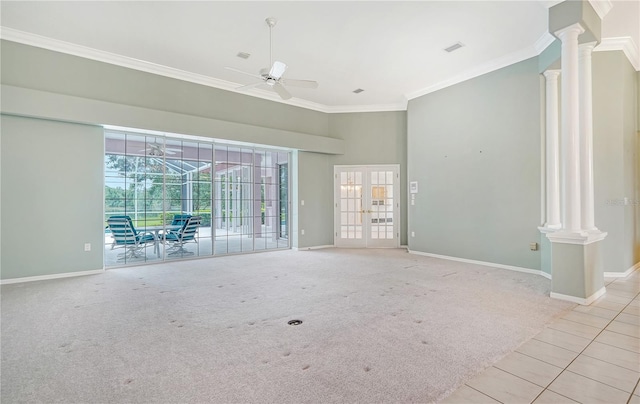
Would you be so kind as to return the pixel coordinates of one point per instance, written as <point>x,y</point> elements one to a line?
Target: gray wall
<point>52,197</point>
<point>315,188</point>
<point>615,158</point>
<point>375,138</point>
<point>630,162</point>
<point>369,138</point>
<point>41,83</point>
<point>550,57</point>
<point>36,68</point>
<point>474,149</point>
<point>44,84</point>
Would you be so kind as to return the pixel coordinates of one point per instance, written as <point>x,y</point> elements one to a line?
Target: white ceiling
<point>391,49</point>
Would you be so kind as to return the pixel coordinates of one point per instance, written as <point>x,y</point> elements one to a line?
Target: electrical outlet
<point>533,246</point>
<point>302,232</point>
<point>87,246</point>
<point>302,202</point>
<point>413,234</point>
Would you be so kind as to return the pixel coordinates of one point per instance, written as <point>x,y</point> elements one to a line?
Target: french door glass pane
<point>365,205</point>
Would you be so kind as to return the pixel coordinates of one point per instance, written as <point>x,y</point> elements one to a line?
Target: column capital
<point>585,49</point>
<point>580,238</point>
<point>575,29</point>
<point>551,74</point>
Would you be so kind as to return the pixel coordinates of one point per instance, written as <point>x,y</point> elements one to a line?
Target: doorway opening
<point>367,206</point>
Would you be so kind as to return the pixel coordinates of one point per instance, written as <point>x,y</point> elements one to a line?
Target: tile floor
<point>591,355</point>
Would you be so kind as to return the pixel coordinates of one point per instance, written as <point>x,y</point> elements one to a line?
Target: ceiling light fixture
<point>358,90</point>
<point>243,55</point>
<point>453,47</point>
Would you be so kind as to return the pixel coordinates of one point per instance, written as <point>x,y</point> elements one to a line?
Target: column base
<point>576,266</point>
<point>573,299</point>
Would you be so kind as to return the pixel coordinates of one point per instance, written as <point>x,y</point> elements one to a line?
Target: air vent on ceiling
<point>243,55</point>
<point>358,90</point>
<point>453,47</point>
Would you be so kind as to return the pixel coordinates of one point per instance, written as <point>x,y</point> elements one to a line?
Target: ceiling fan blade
<point>240,71</point>
<point>282,92</point>
<point>277,70</point>
<point>249,86</point>
<point>300,83</point>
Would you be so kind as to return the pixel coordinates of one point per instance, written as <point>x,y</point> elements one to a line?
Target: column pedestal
<point>578,274</point>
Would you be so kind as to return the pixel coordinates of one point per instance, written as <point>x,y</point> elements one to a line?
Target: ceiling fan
<point>158,149</point>
<point>272,77</point>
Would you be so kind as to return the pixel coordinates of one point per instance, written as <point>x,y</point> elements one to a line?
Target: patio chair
<point>179,220</point>
<point>126,236</point>
<point>178,238</point>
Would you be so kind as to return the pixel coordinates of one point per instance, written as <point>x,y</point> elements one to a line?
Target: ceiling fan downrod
<point>271,22</point>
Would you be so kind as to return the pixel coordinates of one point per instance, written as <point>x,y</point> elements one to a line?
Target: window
<point>240,194</point>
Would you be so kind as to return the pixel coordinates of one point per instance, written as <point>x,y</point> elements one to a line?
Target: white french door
<point>367,206</point>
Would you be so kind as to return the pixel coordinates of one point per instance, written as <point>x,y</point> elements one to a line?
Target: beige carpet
<point>379,326</point>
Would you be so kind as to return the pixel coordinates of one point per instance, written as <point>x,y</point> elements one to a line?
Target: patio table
<point>156,232</point>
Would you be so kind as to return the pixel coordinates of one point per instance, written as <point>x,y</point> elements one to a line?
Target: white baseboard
<point>579,300</point>
<point>316,247</point>
<point>483,263</point>
<point>49,277</point>
<point>622,274</point>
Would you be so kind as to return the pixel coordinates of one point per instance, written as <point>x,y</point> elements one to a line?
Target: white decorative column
<point>586,137</point>
<point>569,134</point>
<point>552,151</point>
<point>577,270</point>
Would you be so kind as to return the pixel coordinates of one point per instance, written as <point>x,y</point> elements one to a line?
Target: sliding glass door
<point>240,195</point>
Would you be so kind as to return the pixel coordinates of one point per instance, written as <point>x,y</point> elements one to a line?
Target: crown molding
<point>68,48</point>
<point>601,7</point>
<point>400,106</point>
<point>625,44</point>
<point>534,50</point>
<point>55,45</point>
<point>543,42</point>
